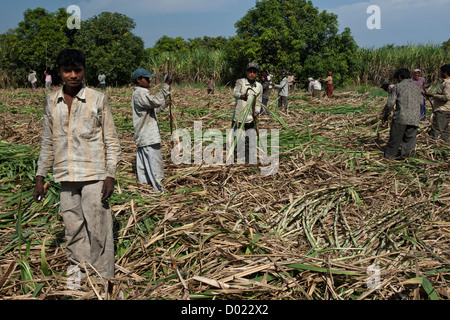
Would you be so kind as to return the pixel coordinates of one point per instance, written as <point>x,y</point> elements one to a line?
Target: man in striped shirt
<point>80,142</point>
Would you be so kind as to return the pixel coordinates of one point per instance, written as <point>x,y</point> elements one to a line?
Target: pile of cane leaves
<point>336,220</point>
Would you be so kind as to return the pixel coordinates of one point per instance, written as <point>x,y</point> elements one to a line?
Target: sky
<point>398,22</point>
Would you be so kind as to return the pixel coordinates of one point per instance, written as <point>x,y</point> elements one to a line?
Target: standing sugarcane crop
<point>245,114</point>
<point>149,162</point>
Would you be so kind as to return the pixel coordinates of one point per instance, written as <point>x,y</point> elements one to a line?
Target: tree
<point>110,46</point>
<point>168,44</point>
<point>211,43</point>
<point>446,45</point>
<point>34,44</point>
<point>106,40</point>
<point>292,35</point>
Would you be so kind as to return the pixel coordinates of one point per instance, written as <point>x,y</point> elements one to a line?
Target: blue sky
<point>401,21</point>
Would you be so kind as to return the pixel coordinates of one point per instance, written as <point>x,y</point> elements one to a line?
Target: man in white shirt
<point>247,93</point>
<point>314,88</point>
<point>149,161</point>
<point>32,79</point>
<point>283,92</point>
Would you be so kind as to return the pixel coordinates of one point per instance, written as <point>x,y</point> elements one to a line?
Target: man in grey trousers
<point>407,99</point>
<point>80,143</point>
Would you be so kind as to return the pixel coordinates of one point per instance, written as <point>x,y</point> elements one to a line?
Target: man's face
<point>72,76</point>
<point>416,75</point>
<point>143,82</point>
<point>283,74</point>
<point>252,74</point>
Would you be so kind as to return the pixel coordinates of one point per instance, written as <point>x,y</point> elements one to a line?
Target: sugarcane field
<point>148,153</point>
<point>334,212</point>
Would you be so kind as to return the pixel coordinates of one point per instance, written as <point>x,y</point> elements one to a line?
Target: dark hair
<point>446,68</point>
<point>403,73</point>
<point>70,57</point>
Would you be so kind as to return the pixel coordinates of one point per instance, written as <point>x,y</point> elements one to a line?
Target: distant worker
<point>407,99</point>
<point>146,107</point>
<point>102,80</point>
<point>291,82</point>
<point>48,80</point>
<point>283,92</point>
<point>32,79</point>
<point>328,84</point>
<point>211,85</point>
<point>441,112</point>
<point>266,92</point>
<point>270,79</point>
<point>421,83</point>
<point>314,88</point>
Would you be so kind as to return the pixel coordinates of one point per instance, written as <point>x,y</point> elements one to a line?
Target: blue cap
<point>142,73</point>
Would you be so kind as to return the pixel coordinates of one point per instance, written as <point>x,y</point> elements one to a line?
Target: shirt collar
<point>248,84</point>
<point>140,88</point>
<point>81,95</point>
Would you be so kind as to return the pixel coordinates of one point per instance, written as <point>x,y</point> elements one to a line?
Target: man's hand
<point>168,81</point>
<point>427,94</point>
<point>108,188</point>
<point>39,189</point>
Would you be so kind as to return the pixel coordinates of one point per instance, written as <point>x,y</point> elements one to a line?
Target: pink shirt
<point>48,77</point>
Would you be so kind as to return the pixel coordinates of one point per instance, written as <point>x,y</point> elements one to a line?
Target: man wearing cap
<point>149,162</point>
<point>421,83</point>
<point>283,91</point>
<point>247,92</point>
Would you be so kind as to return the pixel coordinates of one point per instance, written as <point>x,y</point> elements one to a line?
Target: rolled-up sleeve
<point>156,102</point>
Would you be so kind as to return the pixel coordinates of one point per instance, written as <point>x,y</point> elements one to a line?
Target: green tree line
<point>278,34</point>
